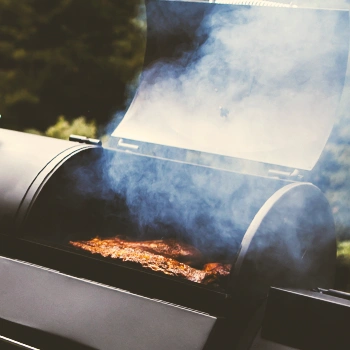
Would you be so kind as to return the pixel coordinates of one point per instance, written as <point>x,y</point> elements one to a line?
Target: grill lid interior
<point>248,82</point>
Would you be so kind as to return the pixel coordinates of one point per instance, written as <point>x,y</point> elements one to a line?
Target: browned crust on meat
<point>157,256</point>
<point>170,248</point>
<point>155,262</point>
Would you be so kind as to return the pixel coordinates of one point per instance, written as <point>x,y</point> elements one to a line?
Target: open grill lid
<point>249,82</point>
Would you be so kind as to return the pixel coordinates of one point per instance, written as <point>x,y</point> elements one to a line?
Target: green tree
<point>66,57</point>
<point>63,128</point>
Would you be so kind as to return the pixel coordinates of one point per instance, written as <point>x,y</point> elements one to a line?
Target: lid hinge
<point>123,144</point>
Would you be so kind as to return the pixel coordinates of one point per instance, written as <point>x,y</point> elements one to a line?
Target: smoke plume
<point>256,83</point>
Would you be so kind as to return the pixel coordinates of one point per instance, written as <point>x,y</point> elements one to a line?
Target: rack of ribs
<point>167,256</point>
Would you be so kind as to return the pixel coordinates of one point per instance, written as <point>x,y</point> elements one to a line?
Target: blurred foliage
<point>344,251</point>
<point>67,57</point>
<point>63,128</point>
<point>343,266</point>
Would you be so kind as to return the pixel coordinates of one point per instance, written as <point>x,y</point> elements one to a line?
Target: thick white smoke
<point>264,85</point>
<point>265,88</point>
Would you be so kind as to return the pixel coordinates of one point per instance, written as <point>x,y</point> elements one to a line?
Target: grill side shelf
<point>95,315</point>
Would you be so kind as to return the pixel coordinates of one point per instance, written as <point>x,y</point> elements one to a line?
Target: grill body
<point>254,212</point>
<point>285,220</point>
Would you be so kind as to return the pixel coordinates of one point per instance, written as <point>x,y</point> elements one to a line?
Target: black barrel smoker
<point>233,110</point>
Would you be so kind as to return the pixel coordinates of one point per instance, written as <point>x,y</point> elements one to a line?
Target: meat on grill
<point>169,248</point>
<point>156,255</point>
<point>215,272</point>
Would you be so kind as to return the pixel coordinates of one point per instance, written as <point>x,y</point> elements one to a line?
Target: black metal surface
<point>306,320</point>
<point>290,243</point>
<point>33,338</point>
<point>96,315</point>
<point>333,292</point>
<point>69,261</point>
<point>260,343</point>
<point>27,161</point>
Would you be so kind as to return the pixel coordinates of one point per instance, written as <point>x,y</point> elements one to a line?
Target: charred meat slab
<point>167,256</point>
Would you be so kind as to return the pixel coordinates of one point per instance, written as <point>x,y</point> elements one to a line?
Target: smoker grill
<point>246,207</point>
